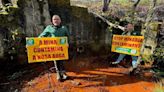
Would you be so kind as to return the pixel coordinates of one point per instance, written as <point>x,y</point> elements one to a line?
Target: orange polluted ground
<point>86,75</point>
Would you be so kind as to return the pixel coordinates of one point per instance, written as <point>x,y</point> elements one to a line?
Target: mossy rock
<point>154,26</point>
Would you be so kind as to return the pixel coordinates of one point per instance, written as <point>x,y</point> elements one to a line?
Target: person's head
<point>56,20</point>
<point>129,27</point>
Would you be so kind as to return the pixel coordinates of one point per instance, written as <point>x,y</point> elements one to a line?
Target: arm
<point>124,33</point>
<point>46,32</point>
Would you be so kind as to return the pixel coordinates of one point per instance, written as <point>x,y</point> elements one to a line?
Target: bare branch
<point>135,4</point>
<point>107,21</point>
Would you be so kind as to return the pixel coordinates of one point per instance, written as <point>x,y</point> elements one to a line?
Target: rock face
<point>159,50</point>
<point>83,27</point>
<point>32,16</point>
<point>153,36</point>
<point>1,46</point>
<point>21,18</point>
<point>36,16</point>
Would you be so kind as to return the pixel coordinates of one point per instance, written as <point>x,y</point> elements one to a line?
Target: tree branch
<point>107,21</point>
<point>148,20</point>
<point>135,5</point>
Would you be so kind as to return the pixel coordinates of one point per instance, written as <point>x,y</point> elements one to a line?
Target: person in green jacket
<point>57,30</point>
<point>130,32</point>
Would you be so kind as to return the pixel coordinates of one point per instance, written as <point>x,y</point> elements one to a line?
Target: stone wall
<point>32,16</point>
<point>85,28</point>
<point>36,16</point>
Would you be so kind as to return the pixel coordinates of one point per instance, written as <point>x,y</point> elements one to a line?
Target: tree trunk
<point>146,26</point>
<point>105,5</point>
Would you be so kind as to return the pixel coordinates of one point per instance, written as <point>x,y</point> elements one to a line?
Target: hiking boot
<point>116,62</point>
<point>132,71</point>
<point>64,76</point>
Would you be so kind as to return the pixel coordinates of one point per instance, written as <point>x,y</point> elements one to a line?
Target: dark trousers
<point>59,66</point>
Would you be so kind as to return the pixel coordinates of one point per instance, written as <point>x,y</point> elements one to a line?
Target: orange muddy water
<point>86,75</point>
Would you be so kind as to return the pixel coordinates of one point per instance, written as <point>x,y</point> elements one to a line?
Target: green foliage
<point>144,2</point>
<point>159,53</point>
<point>10,19</point>
<point>147,58</point>
<point>158,59</point>
<point>8,9</point>
<point>127,3</point>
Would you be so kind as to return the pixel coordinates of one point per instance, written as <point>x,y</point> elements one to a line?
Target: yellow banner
<point>127,44</point>
<point>47,49</point>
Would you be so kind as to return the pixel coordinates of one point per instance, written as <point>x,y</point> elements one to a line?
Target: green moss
<point>147,58</point>
<point>10,12</point>
<point>159,53</point>
<point>4,13</point>
<point>154,26</point>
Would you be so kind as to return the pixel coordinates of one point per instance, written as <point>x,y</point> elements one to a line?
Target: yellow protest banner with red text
<point>47,49</point>
<point>130,45</point>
